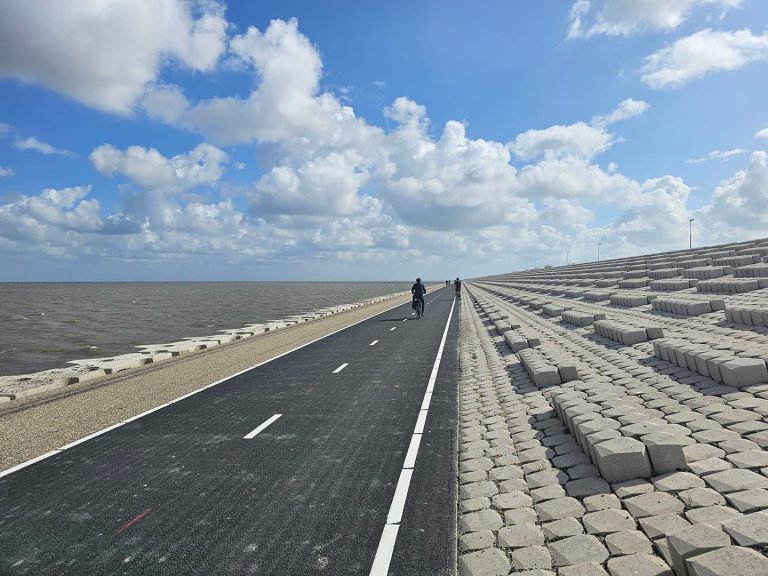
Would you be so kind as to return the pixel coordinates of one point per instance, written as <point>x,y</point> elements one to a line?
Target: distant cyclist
<point>457,287</point>
<point>418,290</point>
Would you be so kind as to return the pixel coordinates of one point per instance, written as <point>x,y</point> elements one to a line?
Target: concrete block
<point>728,561</point>
<point>748,530</point>
<point>622,459</point>
<point>693,541</point>
<point>665,451</point>
<point>741,372</point>
<point>488,562</point>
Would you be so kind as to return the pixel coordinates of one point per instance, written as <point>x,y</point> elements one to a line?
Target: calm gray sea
<point>43,325</point>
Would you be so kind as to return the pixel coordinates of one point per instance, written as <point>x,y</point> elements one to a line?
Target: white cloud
<point>762,133</point>
<point>629,108</point>
<point>579,139</point>
<point>628,17</point>
<point>5,172</point>
<point>149,168</point>
<point>4,129</point>
<point>33,143</point>
<point>740,203</point>
<point>718,155</point>
<point>286,105</point>
<point>325,186</point>
<point>50,219</point>
<point>104,53</point>
<point>701,53</point>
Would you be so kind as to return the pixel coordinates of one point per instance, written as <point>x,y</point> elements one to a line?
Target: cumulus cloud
<point>628,17</point>
<point>32,220</point>
<point>762,133</point>
<point>702,53</point>
<point>149,168</point>
<point>325,186</point>
<point>718,155</point>
<point>285,105</point>
<point>5,172</point>
<point>33,143</point>
<point>579,139</point>
<point>740,203</point>
<point>104,53</point>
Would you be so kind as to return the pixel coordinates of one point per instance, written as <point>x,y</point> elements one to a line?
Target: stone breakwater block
<point>693,541</point>
<point>622,459</point>
<point>666,451</point>
<point>748,530</point>
<point>515,341</point>
<point>502,326</point>
<point>741,372</point>
<point>116,363</point>
<point>551,310</point>
<point>578,319</point>
<point>638,565</point>
<point>577,550</point>
<point>488,562</point>
<point>728,561</point>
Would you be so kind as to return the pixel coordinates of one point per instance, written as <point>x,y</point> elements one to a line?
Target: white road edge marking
<point>156,408</point>
<point>261,427</point>
<point>373,343</point>
<point>388,539</point>
<point>340,368</point>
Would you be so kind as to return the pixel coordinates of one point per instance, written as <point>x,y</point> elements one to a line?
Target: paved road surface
<point>218,483</point>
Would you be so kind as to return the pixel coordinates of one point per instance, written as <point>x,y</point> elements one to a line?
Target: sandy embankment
<point>33,426</point>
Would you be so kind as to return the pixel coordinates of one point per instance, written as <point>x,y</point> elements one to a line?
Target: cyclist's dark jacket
<point>418,289</point>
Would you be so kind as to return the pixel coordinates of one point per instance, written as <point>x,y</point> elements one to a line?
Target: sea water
<point>43,325</point>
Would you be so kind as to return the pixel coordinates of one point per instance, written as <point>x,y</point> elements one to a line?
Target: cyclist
<point>418,290</point>
<point>457,287</point>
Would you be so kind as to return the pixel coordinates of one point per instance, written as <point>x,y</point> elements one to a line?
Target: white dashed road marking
<point>340,368</point>
<point>393,328</point>
<point>261,427</point>
<point>373,343</point>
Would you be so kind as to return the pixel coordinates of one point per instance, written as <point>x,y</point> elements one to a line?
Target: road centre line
<point>340,368</point>
<point>155,409</point>
<point>373,343</point>
<point>261,427</point>
<point>388,539</point>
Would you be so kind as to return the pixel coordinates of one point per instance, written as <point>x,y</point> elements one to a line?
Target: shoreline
<point>35,425</point>
<point>79,371</point>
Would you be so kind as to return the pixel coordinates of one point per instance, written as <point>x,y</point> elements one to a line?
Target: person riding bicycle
<point>457,287</point>
<point>418,290</point>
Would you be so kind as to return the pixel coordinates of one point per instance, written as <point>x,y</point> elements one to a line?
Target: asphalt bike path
<point>337,458</point>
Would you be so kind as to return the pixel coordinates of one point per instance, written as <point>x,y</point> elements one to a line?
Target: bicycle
<point>416,305</point>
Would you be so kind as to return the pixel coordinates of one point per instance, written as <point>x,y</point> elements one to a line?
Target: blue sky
<point>202,140</point>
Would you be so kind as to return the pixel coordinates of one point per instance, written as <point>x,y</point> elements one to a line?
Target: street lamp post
<point>536,264</point>
<point>690,233</point>
<point>567,253</point>
<point>598,251</point>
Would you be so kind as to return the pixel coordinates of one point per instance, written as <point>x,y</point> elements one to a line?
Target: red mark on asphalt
<point>134,521</point>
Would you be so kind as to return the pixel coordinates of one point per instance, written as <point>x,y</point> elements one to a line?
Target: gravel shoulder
<point>30,427</point>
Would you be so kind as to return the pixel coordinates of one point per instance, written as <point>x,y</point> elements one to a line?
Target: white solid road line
<point>340,368</point>
<point>373,343</point>
<point>261,427</point>
<point>388,539</point>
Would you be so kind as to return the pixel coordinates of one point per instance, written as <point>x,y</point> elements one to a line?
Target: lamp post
<point>567,253</point>
<point>536,264</point>
<point>690,233</point>
<point>598,251</point>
